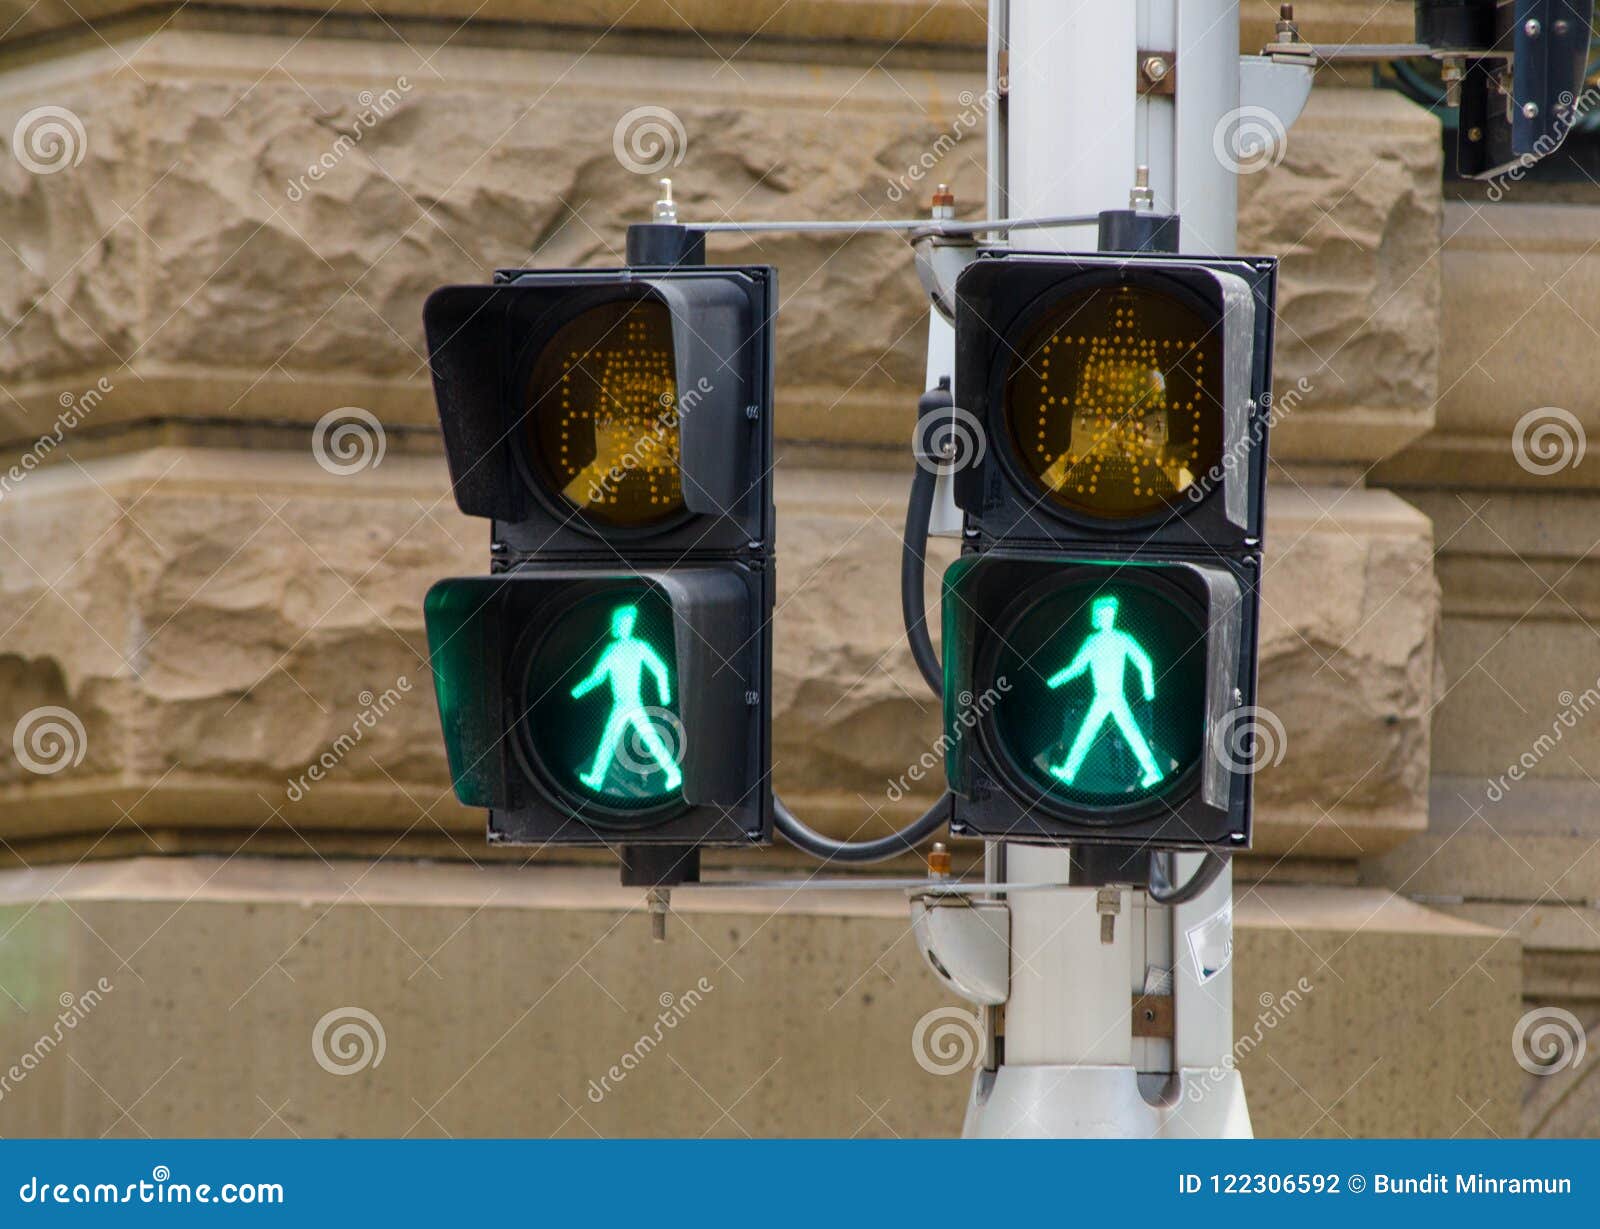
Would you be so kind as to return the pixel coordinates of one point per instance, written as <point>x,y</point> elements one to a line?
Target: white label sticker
<point>1211,943</point>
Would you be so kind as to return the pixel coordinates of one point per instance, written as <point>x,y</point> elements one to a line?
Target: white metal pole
<point>1077,128</point>
<point>1070,151</point>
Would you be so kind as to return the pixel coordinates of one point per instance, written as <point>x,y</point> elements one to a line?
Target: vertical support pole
<point>1071,150</point>
<point>1207,198</point>
<point>1074,130</point>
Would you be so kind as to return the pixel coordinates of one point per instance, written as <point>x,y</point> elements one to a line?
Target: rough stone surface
<point>1349,669</point>
<point>214,619</point>
<point>191,260</point>
<point>1353,210</point>
<point>914,24</point>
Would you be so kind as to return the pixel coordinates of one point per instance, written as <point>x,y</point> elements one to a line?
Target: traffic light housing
<point>582,408</point>
<point>1100,627</point>
<point>607,683</point>
<point>1520,69</point>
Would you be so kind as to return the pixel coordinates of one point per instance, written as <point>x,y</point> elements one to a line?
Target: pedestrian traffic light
<point>607,683</point>
<point>1100,626</point>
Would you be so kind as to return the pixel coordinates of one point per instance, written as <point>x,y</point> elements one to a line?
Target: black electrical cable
<point>913,555</point>
<point>1163,893</point>
<point>913,605</point>
<point>829,850</point>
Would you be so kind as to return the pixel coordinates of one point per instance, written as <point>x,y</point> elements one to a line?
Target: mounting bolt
<point>1108,903</point>
<point>1531,27</point>
<point>1140,196</point>
<point>1155,68</point>
<point>1287,30</point>
<point>659,903</point>
<point>1451,70</point>
<point>666,209</point>
<point>1530,110</point>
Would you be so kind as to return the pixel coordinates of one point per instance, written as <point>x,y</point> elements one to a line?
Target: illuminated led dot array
<point>604,414</point>
<point>1113,409</point>
<point>617,413</point>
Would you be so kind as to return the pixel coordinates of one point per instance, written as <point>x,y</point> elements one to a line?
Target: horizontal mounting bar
<point>932,225</point>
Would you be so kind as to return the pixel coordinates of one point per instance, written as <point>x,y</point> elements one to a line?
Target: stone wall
<point>212,620</point>
<point>231,241</point>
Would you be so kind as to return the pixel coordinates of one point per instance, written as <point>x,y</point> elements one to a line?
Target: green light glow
<point>623,664</point>
<point>1104,672</point>
<point>1104,656</point>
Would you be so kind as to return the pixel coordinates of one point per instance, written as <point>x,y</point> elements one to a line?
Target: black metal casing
<point>714,564</point>
<point>1206,550</point>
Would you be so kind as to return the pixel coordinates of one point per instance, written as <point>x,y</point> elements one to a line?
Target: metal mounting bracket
<point>967,944</point>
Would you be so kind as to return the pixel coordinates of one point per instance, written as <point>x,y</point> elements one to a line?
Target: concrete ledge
<point>195,987</point>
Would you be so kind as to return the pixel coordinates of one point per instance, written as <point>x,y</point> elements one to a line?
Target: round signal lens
<point>1104,705</point>
<point>602,426</point>
<point>599,705</point>
<point>1113,402</point>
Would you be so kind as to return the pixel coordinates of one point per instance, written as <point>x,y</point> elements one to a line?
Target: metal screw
<point>1450,72</point>
<point>659,902</point>
<point>1561,28</point>
<point>1474,133</point>
<point>1530,110</point>
<point>1140,196</point>
<point>1108,903</point>
<point>666,209</point>
<point>1531,27</point>
<point>1287,31</point>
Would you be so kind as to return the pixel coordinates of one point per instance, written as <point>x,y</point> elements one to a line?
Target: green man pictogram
<point>624,663</point>
<point>1104,656</point>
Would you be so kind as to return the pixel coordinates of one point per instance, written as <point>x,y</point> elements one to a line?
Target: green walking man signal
<point>624,663</point>
<point>1105,655</point>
